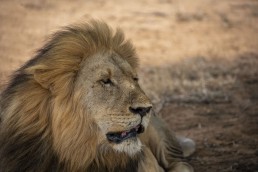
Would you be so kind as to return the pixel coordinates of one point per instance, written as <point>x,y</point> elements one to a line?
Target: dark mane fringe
<point>29,103</point>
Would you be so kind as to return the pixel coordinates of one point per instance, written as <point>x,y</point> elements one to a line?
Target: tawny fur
<point>49,124</point>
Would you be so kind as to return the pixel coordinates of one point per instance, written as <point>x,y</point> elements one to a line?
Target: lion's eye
<point>106,81</point>
<point>136,79</point>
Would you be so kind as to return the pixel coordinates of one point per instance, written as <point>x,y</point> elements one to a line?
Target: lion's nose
<point>142,111</point>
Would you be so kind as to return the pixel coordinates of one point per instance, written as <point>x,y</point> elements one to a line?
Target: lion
<point>77,106</point>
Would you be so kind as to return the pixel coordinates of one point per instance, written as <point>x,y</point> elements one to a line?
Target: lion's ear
<point>41,75</point>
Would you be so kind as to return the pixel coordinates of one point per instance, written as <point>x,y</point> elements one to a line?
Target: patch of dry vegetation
<point>194,80</point>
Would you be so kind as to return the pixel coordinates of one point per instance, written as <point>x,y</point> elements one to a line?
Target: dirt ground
<point>199,64</point>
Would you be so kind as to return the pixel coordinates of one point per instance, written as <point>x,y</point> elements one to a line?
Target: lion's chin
<point>130,146</point>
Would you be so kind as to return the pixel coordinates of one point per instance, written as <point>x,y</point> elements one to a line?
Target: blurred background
<point>198,64</point>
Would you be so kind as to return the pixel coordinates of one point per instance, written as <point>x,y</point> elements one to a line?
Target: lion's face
<point>115,101</point>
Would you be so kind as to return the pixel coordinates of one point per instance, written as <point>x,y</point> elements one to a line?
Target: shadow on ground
<point>215,102</point>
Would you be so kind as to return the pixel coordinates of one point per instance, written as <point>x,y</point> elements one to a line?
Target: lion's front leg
<point>149,164</point>
<point>165,147</point>
<point>181,167</point>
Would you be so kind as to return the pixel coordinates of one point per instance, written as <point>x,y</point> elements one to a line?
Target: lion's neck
<point>115,161</point>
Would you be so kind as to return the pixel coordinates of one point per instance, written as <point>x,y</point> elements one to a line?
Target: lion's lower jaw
<point>131,146</point>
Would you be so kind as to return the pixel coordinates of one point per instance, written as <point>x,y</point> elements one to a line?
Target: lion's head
<point>112,95</point>
<point>81,92</point>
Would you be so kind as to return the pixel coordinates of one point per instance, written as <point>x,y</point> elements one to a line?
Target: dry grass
<point>194,80</point>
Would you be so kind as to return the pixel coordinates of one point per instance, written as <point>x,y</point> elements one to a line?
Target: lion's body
<point>59,110</point>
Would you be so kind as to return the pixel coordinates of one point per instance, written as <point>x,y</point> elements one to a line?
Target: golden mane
<point>38,104</point>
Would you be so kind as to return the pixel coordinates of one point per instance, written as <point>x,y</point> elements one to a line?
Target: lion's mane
<point>43,127</point>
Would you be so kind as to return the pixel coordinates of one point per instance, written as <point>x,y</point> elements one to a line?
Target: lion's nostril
<point>140,110</point>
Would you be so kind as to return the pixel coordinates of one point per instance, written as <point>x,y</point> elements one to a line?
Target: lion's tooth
<point>123,134</point>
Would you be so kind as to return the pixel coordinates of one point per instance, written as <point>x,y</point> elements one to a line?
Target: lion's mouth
<point>118,137</point>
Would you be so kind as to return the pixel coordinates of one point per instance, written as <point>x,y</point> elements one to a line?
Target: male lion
<point>77,106</point>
